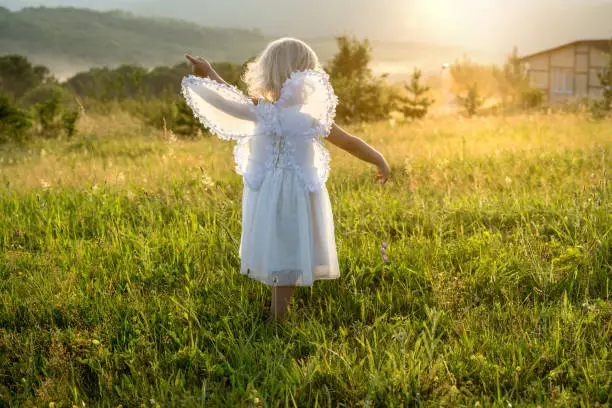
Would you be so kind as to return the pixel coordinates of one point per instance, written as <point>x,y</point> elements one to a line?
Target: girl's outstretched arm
<point>361,150</point>
<point>202,68</point>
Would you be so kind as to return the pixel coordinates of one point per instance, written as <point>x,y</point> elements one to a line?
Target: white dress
<point>287,224</point>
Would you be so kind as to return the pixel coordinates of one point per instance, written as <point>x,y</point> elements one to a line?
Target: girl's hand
<point>384,171</point>
<point>200,66</point>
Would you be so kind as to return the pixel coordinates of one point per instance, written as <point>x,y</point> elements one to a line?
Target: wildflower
<point>17,233</point>
<point>383,251</point>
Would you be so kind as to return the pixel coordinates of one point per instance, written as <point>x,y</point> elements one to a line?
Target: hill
<point>70,39</point>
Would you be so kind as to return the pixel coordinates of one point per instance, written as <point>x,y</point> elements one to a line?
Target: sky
<point>477,24</point>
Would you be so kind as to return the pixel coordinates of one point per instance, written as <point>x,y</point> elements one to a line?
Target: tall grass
<point>119,280</point>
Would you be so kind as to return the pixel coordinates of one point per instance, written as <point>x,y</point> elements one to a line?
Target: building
<point>569,72</point>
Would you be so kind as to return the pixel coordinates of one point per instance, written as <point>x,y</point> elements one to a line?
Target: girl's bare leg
<point>281,297</point>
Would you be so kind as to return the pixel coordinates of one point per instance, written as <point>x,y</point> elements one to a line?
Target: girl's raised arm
<point>361,150</point>
<point>202,68</point>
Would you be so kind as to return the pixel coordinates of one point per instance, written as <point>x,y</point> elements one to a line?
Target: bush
<point>472,101</point>
<point>14,122</point>
<point>47,92</point>
<point>169,114</point>
<point>54,118</point>
<point>532,98</point>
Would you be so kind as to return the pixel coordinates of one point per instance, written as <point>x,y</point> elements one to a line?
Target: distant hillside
<point>69,40</point>
<point>490,25</point>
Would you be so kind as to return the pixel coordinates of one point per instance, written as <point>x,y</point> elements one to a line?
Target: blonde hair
<point>266,75</point>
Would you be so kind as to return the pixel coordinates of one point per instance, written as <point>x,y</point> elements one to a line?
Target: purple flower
<point>384,245</point>
<point>385,259</point>
<point>383,250</point>
<point>17,233</point>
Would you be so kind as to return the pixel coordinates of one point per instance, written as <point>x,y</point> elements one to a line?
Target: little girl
<point>287,224</point>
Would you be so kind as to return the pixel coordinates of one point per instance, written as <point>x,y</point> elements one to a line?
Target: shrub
<point>532,98</point>
<point>47,92</point>
<point>472,101</point>
<point>54,118</point>
<point>14,122</point>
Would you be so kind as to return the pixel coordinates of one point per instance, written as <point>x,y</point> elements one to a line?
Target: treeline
<point>35,104</point>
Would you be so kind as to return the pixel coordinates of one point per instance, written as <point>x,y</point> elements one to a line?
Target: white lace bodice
<point>281,155</point>
<point>282,134</point>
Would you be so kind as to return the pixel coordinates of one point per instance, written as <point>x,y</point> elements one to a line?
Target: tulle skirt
<point>287,232</point>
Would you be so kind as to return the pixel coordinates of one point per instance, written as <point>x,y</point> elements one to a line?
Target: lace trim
<point>324,168</point>
<point>241,156</point>
<point>223,89</point>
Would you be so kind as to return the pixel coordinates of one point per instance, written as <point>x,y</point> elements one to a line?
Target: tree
<point>352,60</point>
<point>363,96</point>
<point>18,75</point>
<point>472,101</point>
<point>512,79</point>
<point>416,104</point>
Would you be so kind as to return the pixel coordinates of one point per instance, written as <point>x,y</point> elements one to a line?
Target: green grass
<point>122,286</point>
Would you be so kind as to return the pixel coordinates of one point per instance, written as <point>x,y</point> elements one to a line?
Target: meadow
<point>119,282</point>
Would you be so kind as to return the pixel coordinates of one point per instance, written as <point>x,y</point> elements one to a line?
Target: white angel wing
<point>307,108</point>
<point>310,93</point>
<point>223,109</point>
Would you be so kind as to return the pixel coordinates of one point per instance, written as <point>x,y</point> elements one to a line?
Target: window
<point>563,81</point>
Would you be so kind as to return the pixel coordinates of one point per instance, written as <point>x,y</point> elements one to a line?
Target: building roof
<point>604,45</point>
